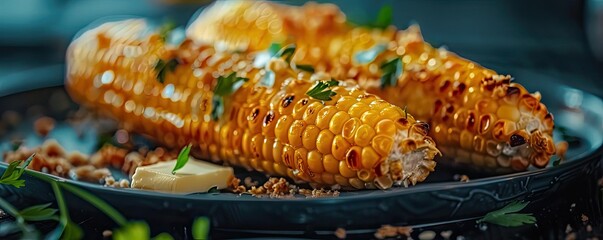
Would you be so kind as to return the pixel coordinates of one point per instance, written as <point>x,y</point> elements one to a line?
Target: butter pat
<point>195,176</point>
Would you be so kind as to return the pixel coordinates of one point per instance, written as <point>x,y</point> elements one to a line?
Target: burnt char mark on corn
<point>277,130</point>
<point>468,106</point>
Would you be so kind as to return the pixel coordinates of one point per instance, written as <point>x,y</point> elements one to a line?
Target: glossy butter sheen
<point>195,176</point>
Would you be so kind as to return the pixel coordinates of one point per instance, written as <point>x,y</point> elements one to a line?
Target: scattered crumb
<point>389,231</point>
<point>562,149</point>
<point>340,233</point>
<point>107,233</point>
<point>446,234</point>
<point>249,182</point>
<point>589,228</point>
<point>90,173</point>
<point>584,218</point>
<point>570,236</point>
<point>44,125</point>
<point>427,235</point>
<point>568,229</point>
<point>461,177</point>
<point>11,118</point>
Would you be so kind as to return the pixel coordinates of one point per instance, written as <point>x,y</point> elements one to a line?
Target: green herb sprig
<point>508,216</point>
<point>162,67</point>
<point>391,71</point>
<point>322,91</point>
<point>182,159</point>
<point>13,172</point>
<point>68,229</point>
<point>225,86</point>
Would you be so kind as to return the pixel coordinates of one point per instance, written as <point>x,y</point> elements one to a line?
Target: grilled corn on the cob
<point>351,137</point>
<point>477,116</point>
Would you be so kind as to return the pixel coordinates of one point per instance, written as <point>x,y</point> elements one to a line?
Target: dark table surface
<point>548,37</point>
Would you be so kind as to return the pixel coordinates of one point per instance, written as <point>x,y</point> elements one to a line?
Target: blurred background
<point>559,38</point>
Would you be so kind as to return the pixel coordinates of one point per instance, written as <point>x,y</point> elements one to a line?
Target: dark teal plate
<point>440,199</point>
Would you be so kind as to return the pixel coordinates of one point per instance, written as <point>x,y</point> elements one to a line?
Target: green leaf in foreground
<point>322,91</point>
<point>384,17</point>
<point>182,159</point>
<point>304,67</point>
<point>201,228</point>
<point>132,230</point>
<point>13,172</point>
<point>227,85</point>
<point>508,216</point>
<point>166,28</point>
<point>287,52</point>
<point>39,213</point>
<point>391,71</point>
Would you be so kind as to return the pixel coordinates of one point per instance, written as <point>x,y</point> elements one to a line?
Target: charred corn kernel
<point>336,124</point>
<point>278,130</point>
<point>438,86</point>
<point>324,141</point>
<point>339,147</point>
<point>309,137</point>
<point>312,112</point>
<point>295,133</point>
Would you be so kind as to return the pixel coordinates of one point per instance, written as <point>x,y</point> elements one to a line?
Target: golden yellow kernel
<point>339,147</point>
<point>370,158</point>
<point>330,164</point>
<point>315,162</point>
<point>267,149</point>
<point>341,180</point>
<point>366,175</point>
<point>382,144</point>
<point>371,117</point>
<point>288,156</point>
<point>466,139</point>
<point>295,133</point>
<point>345,171</point>
<point>364,135</point>
<point>358,109</point>
<point>324,116</point>
<point>301,161</point>
<point>508,112</point>
<point>277,151</point>
<point>349,128</point>
<point>300,108</point>
<point>337,122</point>
<point>386,127</point>
<point>328,178</point>
<point>281,129</point>
<point>309,137</point>
<point>324,141</point>
<point>356,183</point>
<point>280,169</point>
<point>390,113</point>
<point>344,103</point>
<point>311,112</point>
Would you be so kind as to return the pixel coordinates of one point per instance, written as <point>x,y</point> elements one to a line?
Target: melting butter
<point>195,176</point>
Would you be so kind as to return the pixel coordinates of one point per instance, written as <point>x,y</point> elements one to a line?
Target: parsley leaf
<point>321,90</point>
<point>182,159</point>
<point>229,84</point>
<point>508,216</point>
<point>165,29</point>
<point>39,213</point>
<point>132,230</point>
<point>304,67</point>
<point>13,172</point>
<point>201,228</point>
<point>286,52</point>
<point>391,70</point>
<point>369,55</point>
<point>162,67</point>
<point>384,17</point>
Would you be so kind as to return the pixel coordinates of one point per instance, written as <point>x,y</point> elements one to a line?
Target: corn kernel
<point>337,122</point>
<point>315,162</point>
<point>324,141</point>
